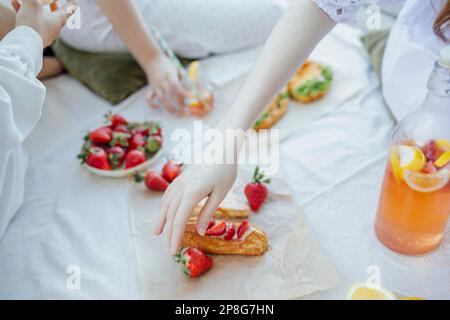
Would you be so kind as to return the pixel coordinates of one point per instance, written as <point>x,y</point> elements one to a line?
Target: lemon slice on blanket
<point>362,291</point>
<point>443,159</point>
<point>427,182</point>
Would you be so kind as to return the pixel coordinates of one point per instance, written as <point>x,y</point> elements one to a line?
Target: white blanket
<point>73,221</point>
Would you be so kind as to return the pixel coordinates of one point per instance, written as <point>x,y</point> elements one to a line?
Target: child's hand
<point>47,25</point>
<point>186,191</point>
<point>165,84</point>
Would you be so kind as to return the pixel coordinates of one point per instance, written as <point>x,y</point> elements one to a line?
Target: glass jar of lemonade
<point>415,197</point>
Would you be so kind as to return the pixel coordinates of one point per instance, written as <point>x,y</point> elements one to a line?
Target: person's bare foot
<point>51,67</point>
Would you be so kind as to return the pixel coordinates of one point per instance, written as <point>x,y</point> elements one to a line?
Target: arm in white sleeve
<point>345,11</point>
<point>21,94</point>
<point>297,33</point>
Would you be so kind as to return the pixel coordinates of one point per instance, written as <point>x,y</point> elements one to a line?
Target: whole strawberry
<point>96,157</point>
<point>134,158</point>
<point>101,135</point>
<point>193,261</point>
<point>115,119</point>
<point>171,170</point>
<point>153,181</point>
<point>256,191</point>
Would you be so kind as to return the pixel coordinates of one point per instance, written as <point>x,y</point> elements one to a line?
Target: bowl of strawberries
<point>120,148</point>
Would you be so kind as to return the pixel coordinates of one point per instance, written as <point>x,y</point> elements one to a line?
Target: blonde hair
<point>442,22</point>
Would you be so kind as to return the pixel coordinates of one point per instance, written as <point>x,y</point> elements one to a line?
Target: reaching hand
<point>186,191</point>
<point>47,25</point>
<point>166,86</point>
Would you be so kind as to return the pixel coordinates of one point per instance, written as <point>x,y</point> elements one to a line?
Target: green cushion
<point>375,43</point>
<point>113,76</point>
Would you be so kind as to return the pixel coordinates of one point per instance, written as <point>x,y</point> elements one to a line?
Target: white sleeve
<point>345,11</point>
<point>21,94</point>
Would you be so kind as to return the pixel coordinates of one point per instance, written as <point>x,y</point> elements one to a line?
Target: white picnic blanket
<point>73,223</point>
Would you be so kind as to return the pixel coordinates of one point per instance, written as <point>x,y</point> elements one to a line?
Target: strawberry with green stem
<point>153,181</point>
<point>193,262</point>
<point>256,191</point>
<point>115,119</point>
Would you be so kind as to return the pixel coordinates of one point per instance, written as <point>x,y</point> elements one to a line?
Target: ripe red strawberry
<point>430,168</point>
<point>154,144</point>
<point>194,262</point>
<point>138,140</point>
<point>134,158</point>
<point>217,230</point>
<point>115,119</point>
<point>153,181</point>
<point>98,158</point>
<point>116,156</point>
<point>171,170</point>
<point>432,151</point>
<point>122,128</point>
<point>230,232</point>
<point>242,229</point>
<point>211,224</point>
<point>101,135</point>
<point>256,191</point>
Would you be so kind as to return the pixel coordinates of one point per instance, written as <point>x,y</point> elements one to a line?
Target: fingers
<point>180,219</point>
<point>179,94</point>
<point>165,202</point>
<point>207,211</point>
<point>65,11</point>
<point>170,216</point>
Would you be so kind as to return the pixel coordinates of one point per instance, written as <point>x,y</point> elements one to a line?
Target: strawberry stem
<point>258,176</point>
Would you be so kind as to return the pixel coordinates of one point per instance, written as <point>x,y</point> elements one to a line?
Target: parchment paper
<point>293,266</point>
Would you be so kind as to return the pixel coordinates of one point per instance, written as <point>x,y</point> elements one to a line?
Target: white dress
<point>21,100</point>
<point>192,28</point>
<point>410,54</point>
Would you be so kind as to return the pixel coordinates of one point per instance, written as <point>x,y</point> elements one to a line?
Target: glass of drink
<point>414,203</point>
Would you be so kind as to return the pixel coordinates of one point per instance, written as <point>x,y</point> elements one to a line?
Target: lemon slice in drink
<point>427,182</point>
<point>411,158</point>
<point>362,291</point>
<point>443,144</point>
<point>193,71</point>
<point>443,160</point>
<point>395,164</point>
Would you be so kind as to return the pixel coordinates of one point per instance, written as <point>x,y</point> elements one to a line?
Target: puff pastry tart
<point>311,82</point>
<point>274,112</point>
<point>230,208</point>
<point>227,238</point>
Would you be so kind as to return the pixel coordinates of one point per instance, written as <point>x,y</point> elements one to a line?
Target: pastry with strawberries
<point>227,238</point>
<point>120,144</point>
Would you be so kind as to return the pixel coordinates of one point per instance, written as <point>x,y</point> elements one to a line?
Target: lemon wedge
<point>443,144</point>
<point>411,158</point>
<point>193,71</point>
<point>395,164</point>
<point>362,291</point>
<point>443,160</point>
<point>427,182</point>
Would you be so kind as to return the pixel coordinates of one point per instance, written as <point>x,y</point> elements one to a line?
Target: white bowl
<point>123,173</point>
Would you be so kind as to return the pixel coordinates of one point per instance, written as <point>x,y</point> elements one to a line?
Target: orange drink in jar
<point>415,197</point>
